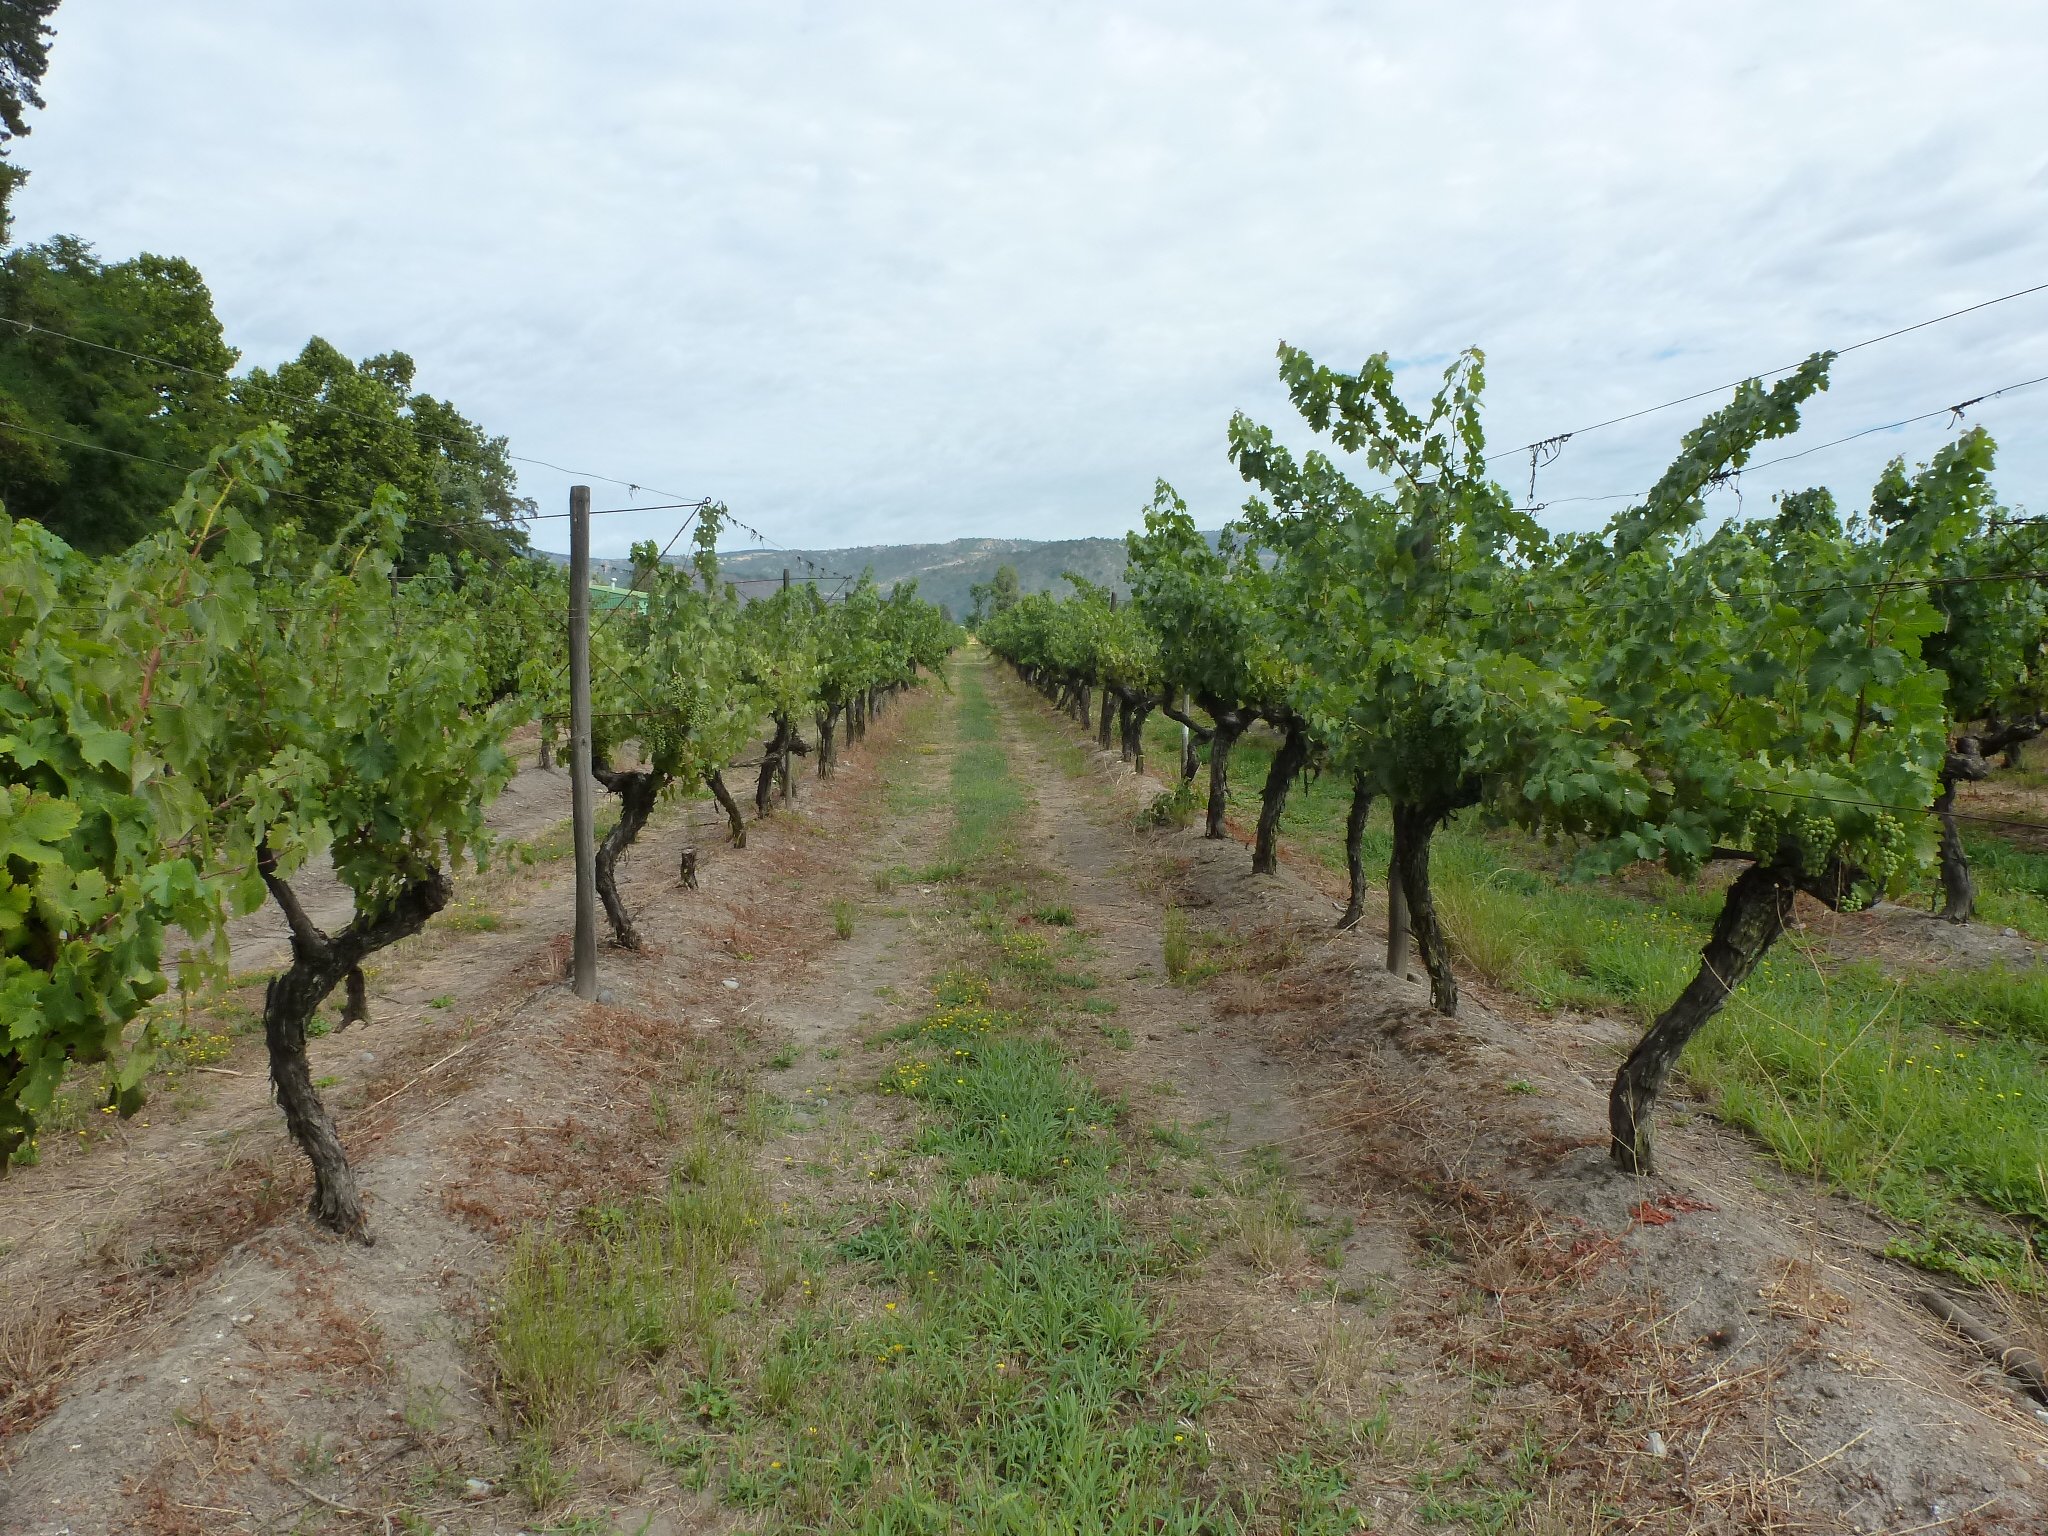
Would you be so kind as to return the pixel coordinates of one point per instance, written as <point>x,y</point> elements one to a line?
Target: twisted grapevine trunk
<point>1414,825</point>
<point>1287,765</point>
<point>319,964</point>
<point>1397,922</point>
<point>1174,707</point>
<point>1958,886</point>
<point>736,824</point>
<point>1229,726</point>
<point>637,789</point>
<point>1752,916</point>
<point>828,755</point>
<point>1108,719</point>
<point>1354,851</point>
<point>775,763</point>
<point>1139,711</point>
<point>1969,759</point>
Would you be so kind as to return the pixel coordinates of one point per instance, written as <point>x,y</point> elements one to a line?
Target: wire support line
<point>1570,600</point>
<point>658,560</point>
<point>1550,446</point>
<point>1771,373</point>
<point>1953,412</point>
<point>1908,810</point>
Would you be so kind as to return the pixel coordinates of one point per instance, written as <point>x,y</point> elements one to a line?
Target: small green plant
<point>842,918</point>
<point>472,916</point>
<point>535,1474</point>
<point>443,1001</point>
<point>784,1059</point>
<point>1055,916</point>
<point>657,1109</point>
<point>1173,807</point>
<point>199,1049</point>
<point>314,1459</point>
<point>1178,944</point>
<point>426,1408</point>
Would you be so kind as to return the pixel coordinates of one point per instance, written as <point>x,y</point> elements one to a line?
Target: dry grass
<point>1795,1291</point>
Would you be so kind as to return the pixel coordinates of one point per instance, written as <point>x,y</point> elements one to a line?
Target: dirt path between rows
<point>188,1355</point>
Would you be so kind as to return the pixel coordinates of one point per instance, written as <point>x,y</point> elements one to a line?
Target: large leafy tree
<point>101,438</point>
<point>24,57</point>
<point>354,427</point>
<point>994,597</point>
<point>116,377</point>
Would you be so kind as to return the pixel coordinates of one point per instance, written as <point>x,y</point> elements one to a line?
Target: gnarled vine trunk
<point>1752,916</point>
<point>637,789</point>
<point>1958,887</point>
<point>1969,759</point>
<point>1354,851</point>
<point>1397,922</point>
<point>735,823</point>
<point>1108,717</point>
<point>1229,726</point>
<point>828,755</point>
<point>321,962</point>
<point>1139,711</point>
<point>775,763</point>
<point>1197,735</point>
<point>1414,825</point>
<point>1286,767</point>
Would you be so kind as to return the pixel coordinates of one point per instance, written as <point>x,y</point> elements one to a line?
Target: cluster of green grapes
<point>1882,853</point>
<point>1810,834</point>
<point>1815,837</point>
<point>1887,851</point>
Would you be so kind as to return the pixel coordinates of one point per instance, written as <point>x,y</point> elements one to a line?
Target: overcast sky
<point>879,272</point>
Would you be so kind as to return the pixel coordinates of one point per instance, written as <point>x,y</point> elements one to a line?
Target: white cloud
<point>900,271</point>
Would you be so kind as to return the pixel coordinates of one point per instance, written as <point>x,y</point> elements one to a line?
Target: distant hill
<point>943,572</point>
